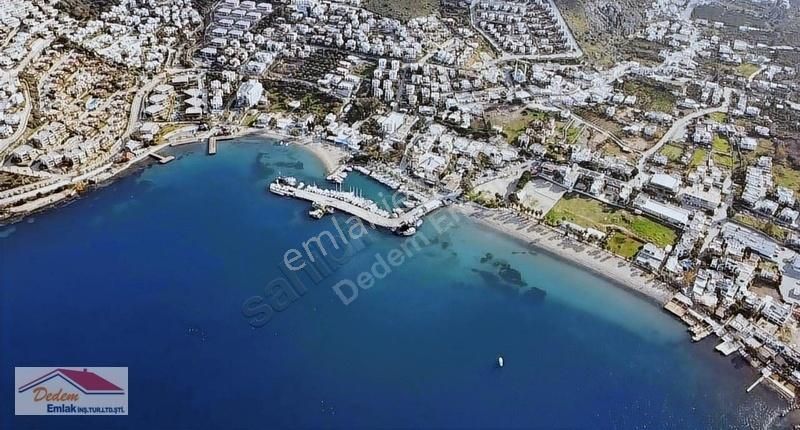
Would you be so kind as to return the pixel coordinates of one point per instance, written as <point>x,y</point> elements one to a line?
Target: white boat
<point>500,361</point>
<point>316,213</point>
<point>408,232</point>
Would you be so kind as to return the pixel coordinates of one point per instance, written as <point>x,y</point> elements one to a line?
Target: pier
<point>339,175</point>
<point>764,374</point>
<point>212,145</point>
<point>163,159</point>
<point>349,203</point>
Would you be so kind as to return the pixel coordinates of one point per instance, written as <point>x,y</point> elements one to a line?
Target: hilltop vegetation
<point>85,9</point>
<point>600,26</point>
<point>402,10</point>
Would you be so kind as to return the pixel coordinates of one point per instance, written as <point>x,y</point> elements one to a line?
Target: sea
<point>179,272</point>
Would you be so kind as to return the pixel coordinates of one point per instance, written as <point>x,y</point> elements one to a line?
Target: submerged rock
<point>535,295</point>
<point>512,276</point>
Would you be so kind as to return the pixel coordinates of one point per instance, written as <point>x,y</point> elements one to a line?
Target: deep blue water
<point>152,272</point>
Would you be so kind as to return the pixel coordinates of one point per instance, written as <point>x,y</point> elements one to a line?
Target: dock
<point>339,175</point>
<point>212,145</point>
<point>764,374</point>
<point>163,159</point>
<point>727,347</point>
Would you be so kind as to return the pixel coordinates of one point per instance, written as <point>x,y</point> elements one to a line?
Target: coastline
<point>330,156</point>
<point>618,271</point>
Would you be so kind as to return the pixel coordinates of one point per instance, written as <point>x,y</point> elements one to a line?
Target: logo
<point>71,391</point>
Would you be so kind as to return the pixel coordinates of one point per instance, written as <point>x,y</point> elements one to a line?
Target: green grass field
<point>698,157</point>
<point>786,177</point>
<point>722,160</point>
<point>672,152</point>
<point>592,213</point>
<point>747,69</point>
<point>623,245</point>
<point>720,144</point>
<point>720,117</point>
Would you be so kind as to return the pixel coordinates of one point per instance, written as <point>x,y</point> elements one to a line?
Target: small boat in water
<point>316,213</point>
<point>318,210</point>
<point>405,230</point>
<point>287,180</point>
<point>500,361</point>
<point>408,232</point>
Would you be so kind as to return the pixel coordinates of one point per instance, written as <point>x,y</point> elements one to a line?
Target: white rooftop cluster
<point>134,34</point>
<point>333,23</point>
<point>523,28</point>
<point>11,102</point>
<point>230,41</point>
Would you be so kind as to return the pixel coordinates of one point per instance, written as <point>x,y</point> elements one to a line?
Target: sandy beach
<point>597,260</point>
<point>331,156</point>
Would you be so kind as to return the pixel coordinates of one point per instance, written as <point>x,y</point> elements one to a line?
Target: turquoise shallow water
<point>152,273</point>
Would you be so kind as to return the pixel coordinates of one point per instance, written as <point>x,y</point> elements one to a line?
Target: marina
<point>351,203</point>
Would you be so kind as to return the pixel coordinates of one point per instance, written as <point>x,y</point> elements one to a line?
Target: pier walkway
<point>163,159</point>
<point>374,217</point>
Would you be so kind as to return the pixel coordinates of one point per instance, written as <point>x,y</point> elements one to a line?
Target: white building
<point>249,93</point>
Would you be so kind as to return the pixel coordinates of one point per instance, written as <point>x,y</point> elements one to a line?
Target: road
<point>37,47</point>
<point>679,127</point>
<point>438,48</point>
<point>136,104</point>
<point>756,73</point>
<point>574,53</point>
<point>23,122</point>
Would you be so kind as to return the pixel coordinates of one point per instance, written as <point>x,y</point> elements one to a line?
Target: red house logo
<point>85,381</point>
<point>71,391</point>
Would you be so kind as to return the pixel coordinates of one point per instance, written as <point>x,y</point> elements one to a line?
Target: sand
<point>599,261</point>
<point>331,156</point>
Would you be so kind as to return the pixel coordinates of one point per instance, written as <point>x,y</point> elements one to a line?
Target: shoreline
<point>331,158</point>
<point>608,266</point>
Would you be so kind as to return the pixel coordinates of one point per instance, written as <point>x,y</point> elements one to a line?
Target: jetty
<point>350,203</point>
<point>339,175</point>
<point>765,373</point>
<point>163,159</point>
<point>212,145</point>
